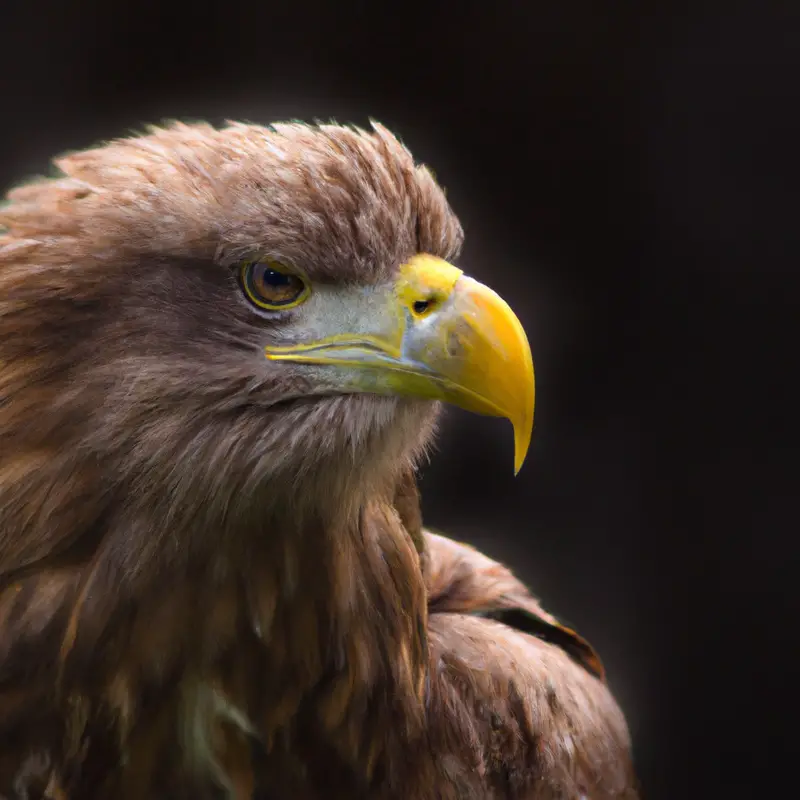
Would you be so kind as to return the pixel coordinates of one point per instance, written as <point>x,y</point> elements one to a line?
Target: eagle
<point>223,353</point>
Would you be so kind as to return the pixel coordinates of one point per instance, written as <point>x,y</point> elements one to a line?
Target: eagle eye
<point>272,286</point>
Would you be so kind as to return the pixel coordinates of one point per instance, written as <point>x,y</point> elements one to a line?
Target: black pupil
<point>274,278</point>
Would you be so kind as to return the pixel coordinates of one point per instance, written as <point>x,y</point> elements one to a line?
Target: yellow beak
<point>439,335</point>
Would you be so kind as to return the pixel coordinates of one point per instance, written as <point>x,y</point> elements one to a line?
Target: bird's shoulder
<point>522,695</point>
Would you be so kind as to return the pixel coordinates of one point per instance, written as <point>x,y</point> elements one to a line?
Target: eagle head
<point>213,326</point>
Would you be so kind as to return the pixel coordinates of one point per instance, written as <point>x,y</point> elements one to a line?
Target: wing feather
<point>518,714</point>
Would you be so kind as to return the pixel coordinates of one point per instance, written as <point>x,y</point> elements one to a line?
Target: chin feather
<point>352,443</point>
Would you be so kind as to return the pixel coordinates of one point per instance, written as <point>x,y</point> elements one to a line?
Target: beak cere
<point>442,336</point>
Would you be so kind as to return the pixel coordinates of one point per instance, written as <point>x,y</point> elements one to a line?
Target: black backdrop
<point>626,176</point>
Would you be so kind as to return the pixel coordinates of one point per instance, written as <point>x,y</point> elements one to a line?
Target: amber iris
<point>272,286</point>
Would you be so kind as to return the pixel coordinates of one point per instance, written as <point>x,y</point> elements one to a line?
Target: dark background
<point>627,177</point>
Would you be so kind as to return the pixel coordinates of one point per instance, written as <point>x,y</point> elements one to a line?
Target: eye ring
<point>271,286</point>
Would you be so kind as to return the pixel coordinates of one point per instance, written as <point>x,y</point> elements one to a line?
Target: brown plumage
<point>214,579</point>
